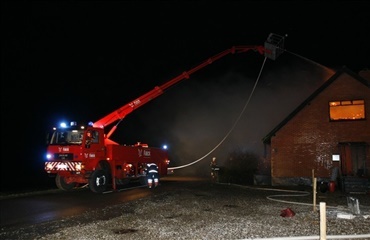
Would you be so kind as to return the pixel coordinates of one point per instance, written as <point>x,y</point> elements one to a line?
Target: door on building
<point>353,159</point>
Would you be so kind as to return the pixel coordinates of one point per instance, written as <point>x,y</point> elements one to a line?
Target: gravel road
<point>205,210</point>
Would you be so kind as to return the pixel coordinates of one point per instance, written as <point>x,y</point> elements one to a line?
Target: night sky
<point>81,60</point>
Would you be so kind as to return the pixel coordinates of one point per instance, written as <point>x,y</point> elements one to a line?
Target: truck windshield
<point>67,137</point>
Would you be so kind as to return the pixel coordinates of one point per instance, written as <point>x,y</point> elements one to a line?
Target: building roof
<point>366,82</point>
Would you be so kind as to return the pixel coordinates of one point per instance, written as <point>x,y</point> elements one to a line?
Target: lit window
<point>347,110</point>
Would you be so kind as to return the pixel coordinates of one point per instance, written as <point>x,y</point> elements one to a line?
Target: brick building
<point>327,136</point>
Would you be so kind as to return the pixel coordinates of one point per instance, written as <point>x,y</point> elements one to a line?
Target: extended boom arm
<point>271,49</point>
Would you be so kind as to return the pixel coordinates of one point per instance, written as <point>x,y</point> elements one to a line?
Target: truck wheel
<point>61,184</point>
<point>98,181</point>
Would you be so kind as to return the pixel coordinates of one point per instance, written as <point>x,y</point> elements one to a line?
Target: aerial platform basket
<point>274,46</point>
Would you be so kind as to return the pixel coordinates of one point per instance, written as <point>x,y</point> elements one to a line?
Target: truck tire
<point>99,181</point>
<point>61,183</point>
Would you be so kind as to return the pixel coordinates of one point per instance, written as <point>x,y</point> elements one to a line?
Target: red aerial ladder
<point>79,154</point>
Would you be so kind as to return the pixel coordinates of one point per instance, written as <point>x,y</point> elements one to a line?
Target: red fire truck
<point>84,154</point>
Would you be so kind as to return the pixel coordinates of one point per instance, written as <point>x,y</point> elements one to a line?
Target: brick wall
<point>306,142</point>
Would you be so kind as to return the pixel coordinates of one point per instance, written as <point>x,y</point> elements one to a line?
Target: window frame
<point>347,103</point>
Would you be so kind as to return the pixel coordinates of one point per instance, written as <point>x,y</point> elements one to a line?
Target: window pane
<point>347,110</point>
<point>358,102</point>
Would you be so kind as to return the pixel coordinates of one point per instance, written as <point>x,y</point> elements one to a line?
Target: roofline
<point>344,69</point>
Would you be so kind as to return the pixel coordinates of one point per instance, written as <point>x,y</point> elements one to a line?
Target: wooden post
<point>322,221</point>
<point>314,184</point>
<point>314,194</point>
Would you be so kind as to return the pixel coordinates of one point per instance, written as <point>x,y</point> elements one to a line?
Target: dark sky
<point>80,60</point>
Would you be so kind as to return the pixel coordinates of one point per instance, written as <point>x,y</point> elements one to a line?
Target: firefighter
<point>89,138</point>
<point>214,170</point>
<point>152,174</point>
